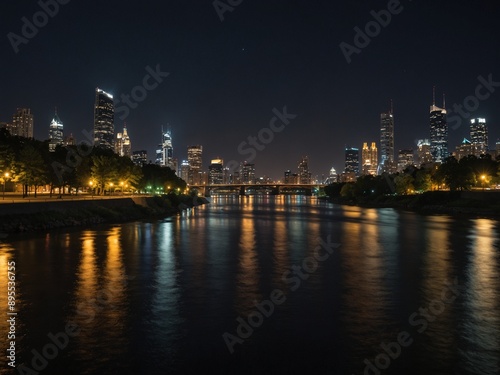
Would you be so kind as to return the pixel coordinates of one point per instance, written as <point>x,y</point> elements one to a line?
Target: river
<point>258,285</point>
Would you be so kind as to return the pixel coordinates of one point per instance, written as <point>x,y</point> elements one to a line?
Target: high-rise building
<point>140,157</point>
<point>195,164</point>
<point>332,177</point>
<point>405,159</point>
<point>247,173</point>
<point>165,151</point>
<point>22,123</point>
<point>216,172</point>
<point>303,171</point>
<point>479,136</point>
<point>439,133</point>
<point>465,149</point>
<point>369,159</point>
<point>424,152</point>
<point>104,117</point>
<point>56,136</point>
<point>387,142</point>
<point>351,161</point>
<point>123,146</point>
<point>184,170</point>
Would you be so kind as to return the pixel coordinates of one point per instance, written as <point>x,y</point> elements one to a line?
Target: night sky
<point>226,77</point>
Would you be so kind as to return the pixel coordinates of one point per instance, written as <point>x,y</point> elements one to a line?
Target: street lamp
<point>91,184</point>
<point>6,176</point>
<point>483,177</point>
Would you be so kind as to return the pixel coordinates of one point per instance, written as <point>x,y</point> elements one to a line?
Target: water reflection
<point>481,324</point>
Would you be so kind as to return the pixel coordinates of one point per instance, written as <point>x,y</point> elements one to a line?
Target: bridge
<point>246,189</point>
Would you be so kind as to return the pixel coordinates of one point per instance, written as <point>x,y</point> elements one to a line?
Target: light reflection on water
<point>156,297</point>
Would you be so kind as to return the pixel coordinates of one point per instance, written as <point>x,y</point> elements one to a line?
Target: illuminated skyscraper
<point>303,171</point>
<point>56,136</point>
<point>439,133</point>
<point>387,142</point>
<point>479,136</point>
<point>424,152</point>
<point>123,146</point>
<point>184,170</point>
<point>22,123</point>
<point>352,161</point>
<point>247,173</point>
<point>195,164</point>
<point>140,157</point>
<point>104,117</point>
<point>369,159</point>
<point>405,159</point>
<point>216,172</point>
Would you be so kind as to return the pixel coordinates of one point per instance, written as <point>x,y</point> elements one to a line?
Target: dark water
<point>158,297</point>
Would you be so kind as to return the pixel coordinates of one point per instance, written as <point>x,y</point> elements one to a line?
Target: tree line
<point>28,162</point>
<point>454,175</point>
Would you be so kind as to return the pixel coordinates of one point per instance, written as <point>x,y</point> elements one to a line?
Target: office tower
<point>424,152</point>
<point>479,136</point>
<point>405,159</point>
<point>303,171</point>
<point>369,159</point>
<point>22,123</point>
<point>56,136</point>
<point>104,117</point>
<point>332,177</point>
<point>123,146</point>
<point>184,170</point>
<point>387,142</point>
<point>165,151</point>
<point>140,157</point>
<point>439,132</point>
<point>216,171</point>
<point>463,150</point>
<point>247,173</point>
<point>351,161</point>
<point>195,164</point>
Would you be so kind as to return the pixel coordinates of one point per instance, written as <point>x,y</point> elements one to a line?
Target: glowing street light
<point>483,178</point>
<point>6,176</point>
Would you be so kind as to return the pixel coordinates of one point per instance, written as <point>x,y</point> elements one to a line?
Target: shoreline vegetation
<point>155,207</point>
<point>455,203</point>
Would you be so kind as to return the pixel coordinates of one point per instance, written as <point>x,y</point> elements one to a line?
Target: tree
<point>32,169</point>
<point>404,184</point>
<point>104,171</point>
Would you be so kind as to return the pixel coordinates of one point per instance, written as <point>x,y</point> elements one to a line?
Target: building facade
<point>22,123</point>
<point>56,134</point>
<point>439,133</point>
<point>405,159</point>
<point>479,136</point>
<point>140,157</point>
<point>424,156</point>
<point>352,161</point>
<point>369,159</point>
<point>303,171</point>
<point>387,143</point>
<point>123,145</point>
<point>195,174</point>
<point>104,117</point>
<point>216,171</point>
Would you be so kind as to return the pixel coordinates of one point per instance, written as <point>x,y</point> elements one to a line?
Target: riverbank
<point>41,216</point>
<point>485,204</point>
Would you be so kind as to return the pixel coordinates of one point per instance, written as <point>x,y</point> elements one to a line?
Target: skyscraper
<point>22,123</point>
<point>216,172</point>
<point>165,151</point>
<point>56,136</point>
<point>195,164</point>
<point>303,171</point>
<point>104,117</point>
<point>387,142</point>
<point>351,161</point>
<point>140,157</point>
<point>439,133</point>
<point>424,152</point>
<point>479,136</point>
<point>123,145</point>
<point>369,159</point>
<point>405,159</point>
<point>247,173</point>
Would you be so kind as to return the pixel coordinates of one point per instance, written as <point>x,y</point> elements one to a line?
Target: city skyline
<point>219,84</point>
